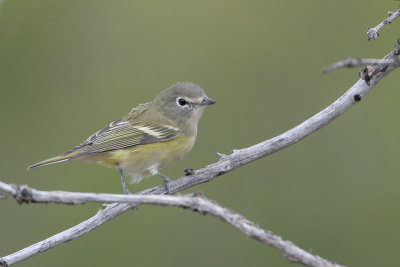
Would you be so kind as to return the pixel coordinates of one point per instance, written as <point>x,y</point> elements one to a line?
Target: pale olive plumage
<point>150,138</point>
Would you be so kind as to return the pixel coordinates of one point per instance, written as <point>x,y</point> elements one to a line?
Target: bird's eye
<point>182,102</point>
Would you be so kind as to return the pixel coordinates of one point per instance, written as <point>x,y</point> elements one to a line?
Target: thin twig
<point>373,33</point>
<point>356,62</point>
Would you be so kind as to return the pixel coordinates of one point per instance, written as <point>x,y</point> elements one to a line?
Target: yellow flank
<point>143,160</point>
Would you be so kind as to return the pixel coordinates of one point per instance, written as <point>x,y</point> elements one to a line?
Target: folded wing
<point>124,134</point>
<point>119,134</point>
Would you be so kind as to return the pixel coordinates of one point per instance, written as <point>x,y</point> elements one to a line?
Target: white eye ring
<point>180,101</point>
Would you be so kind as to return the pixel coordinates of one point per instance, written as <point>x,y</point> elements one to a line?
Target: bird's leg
<point>166,182</point>
<point>126,191</point>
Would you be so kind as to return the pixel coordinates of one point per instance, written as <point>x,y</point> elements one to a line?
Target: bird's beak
<point>207,101</point>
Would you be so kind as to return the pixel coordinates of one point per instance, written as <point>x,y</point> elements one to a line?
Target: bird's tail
<point>61,158</point>
<point>50,161</point>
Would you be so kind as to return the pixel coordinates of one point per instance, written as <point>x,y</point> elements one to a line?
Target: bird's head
<point>183,104</point>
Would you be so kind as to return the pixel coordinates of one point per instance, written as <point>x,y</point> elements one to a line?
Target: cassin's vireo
<point>151,137</point>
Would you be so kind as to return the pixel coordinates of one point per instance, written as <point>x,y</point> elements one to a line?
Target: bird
<point>151,137</point>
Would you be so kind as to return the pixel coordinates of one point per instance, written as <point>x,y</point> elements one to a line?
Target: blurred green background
<point>68,68</point>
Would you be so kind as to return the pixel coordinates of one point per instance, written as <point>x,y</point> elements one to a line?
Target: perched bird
<point>153,136</point>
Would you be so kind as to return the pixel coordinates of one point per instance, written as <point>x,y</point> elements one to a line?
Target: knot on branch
<point>188,171</point>
<point>3,263</point>
<point>365,75</point>
<point>372,34</point>
<point>195,204</point>
<point>197,194</point>
<point>23,194</point>
<point>357,97</point>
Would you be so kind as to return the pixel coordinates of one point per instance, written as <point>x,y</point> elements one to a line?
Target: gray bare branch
<point>373,33</point>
